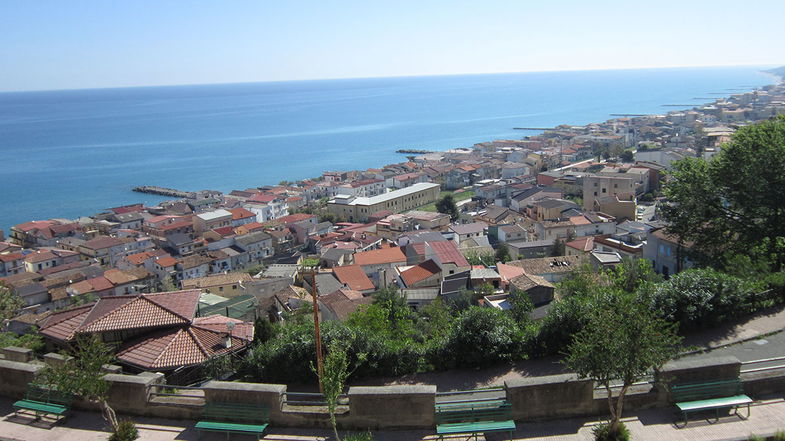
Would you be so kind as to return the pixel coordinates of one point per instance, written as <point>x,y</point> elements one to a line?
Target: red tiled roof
<point>354,277</point>
<point>508,272</point>
<point>173,348</point>
<point>138,258</point>
<point>420,272</point>
<point>292,218</point>
<point>40,256</point>
<point>11,257</point>
<point>218,323</point>
<point>166,261</point>
<point>263,198</point>
<point>241,213</point>
<point>579,220</point>
<point>378,257</point>
<point>224,231</point>
<point>124,313</point>
<point>447,252</point>
<point>102,242</point>
<point>35,225</point>
<point>582,244</point>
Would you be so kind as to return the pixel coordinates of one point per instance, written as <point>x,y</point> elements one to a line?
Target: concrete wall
<point>392,406</point>
<point>398,407</point>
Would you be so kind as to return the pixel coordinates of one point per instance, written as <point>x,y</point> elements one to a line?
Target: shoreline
<point>126,197</point>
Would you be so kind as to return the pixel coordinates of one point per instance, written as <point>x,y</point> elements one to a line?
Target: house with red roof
<point>447,256</point>
<point>241,216</point>
<point>425,274</point>
<point>153,332</point>
<point>385,258</point>
<point>353,277</point>
<point>11,263</point>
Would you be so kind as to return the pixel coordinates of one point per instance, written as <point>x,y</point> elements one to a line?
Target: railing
<point>488,394</point>
<point>162,390</point>
<point>765,368</point>
<point>311,399</point>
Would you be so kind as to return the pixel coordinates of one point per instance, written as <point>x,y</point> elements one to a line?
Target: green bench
<point>44,400</point>
<point>251,419</point>
<point>714,395</point>
<point>474,417</point>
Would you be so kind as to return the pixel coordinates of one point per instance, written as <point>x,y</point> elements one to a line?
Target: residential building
<point>358,209</point>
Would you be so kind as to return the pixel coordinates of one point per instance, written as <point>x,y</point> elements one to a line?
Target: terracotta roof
<point>172,348</point>
<point>166,261</point>
<point>138,258</point>
<point>124,313</point>
<point>241,213</point>
<point>582,244</point>
<point>102,242</point>
<point>118,277</point>
<point>218,323</point>
<point>508,272</point>
<point>293,218</point>
<point>11,257</point>
<point>343,302</point>
<point>579,220</point>
<point>447,252</point>
<point>526,282</point>
<point>549,265</point>
<point>216,280</point>
<point>420,272</point>
<point>40,256</point>
<point>379,257</point>
<point>354,277</point>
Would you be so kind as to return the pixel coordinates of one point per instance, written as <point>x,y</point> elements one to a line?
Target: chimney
<point>228,337</point>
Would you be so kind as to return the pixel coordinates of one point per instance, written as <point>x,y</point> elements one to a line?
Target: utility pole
<point>317,333</point>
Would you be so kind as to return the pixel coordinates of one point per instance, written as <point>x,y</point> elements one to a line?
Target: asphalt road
<point>759,349</point>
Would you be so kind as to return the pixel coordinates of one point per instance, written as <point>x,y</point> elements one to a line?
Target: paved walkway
<point>748,328</point>
<point>766,418</point>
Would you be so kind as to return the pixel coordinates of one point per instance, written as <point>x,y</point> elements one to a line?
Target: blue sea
<point>77,152</point>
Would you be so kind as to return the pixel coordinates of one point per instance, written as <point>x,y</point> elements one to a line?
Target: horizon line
<point>388,76</point>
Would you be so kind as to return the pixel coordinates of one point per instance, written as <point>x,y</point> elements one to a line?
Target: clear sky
<point>98,43</point>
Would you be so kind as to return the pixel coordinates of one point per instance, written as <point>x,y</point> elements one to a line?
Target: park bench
<point>713,395</point>
<point>44,400</point>
<point>474,417</point>
<point>234,418</point>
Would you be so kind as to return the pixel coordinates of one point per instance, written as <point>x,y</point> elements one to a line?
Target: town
<point>176,286</point>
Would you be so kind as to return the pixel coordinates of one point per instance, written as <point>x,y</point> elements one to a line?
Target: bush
<point>603,432</point>
<point>365,436</point>
<point>701,298</point>
<point>480,337</point>
<point>126,431</point>
<point>566,318</point>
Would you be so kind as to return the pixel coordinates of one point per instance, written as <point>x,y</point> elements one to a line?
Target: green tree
<point>502,253</point>
<point>520,306</point>
<point>735,200</point>
<point>168,284</point>
<point>558,248</point>
<point>336,371</point>
<point>479,258</point>
<point>631,273</point>
<point>83,375</point>
<point>447,205</point>
<point>626,156</point>
<point>481,337</point>
<point>622,341</point>
<point>263,330</point>
<point>10,303</point>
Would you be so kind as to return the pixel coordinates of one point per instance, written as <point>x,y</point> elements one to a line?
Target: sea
<point>73,153</point>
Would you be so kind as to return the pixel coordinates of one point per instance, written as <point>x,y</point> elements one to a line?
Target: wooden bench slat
<point>713,403</point>
<point>40,407</point>
<point>484,426</point>
<point>230,427</point>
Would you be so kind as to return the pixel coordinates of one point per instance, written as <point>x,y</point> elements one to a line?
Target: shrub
<point>364,436</point>
<point>603,432</point>
<point>126,431</point>
<point>780,435</point>
<point>480,337</point>
<point>566,318</point>
<point>701,298</point>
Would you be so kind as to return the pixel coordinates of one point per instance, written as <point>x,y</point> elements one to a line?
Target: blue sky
<point>86,44</point>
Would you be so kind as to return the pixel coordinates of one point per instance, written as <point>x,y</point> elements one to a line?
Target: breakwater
<point>163,191</point>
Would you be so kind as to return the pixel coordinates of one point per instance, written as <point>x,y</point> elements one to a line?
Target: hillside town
<point>179,283</point>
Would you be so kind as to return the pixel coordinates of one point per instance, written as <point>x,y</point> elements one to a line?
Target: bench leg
<point>748,412</point>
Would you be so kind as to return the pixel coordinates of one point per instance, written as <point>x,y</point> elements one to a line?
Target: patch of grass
<point>457,196</point>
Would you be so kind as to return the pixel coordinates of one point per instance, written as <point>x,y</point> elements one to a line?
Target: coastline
<point>84,197</point>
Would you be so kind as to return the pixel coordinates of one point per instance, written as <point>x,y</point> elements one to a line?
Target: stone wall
<point>398,407</point>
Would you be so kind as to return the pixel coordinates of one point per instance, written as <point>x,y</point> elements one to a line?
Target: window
<point>604,190</point>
